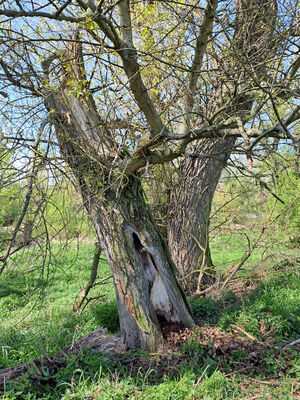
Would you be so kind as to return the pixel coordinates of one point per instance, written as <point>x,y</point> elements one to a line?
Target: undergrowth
<point>36,319</point>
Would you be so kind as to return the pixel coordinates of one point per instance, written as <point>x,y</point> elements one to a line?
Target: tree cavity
<point>158,294</point>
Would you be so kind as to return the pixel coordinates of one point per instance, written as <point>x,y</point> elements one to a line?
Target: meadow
<point>239,351</point>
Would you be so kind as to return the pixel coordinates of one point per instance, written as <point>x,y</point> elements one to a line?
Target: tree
<point>79,73</point>
<point>245,83</point>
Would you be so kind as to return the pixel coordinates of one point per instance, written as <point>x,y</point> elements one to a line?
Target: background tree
<point>89,85</point>
<point>252,67</point>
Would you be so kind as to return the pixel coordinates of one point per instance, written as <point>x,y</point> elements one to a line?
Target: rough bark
<point>146,287</point>
<point>189,212</point>
<point>191,198</point>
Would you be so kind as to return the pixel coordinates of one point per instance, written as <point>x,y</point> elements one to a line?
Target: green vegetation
<point>228,248</point>
<point>36,319</point>
<point>35,309</point>
<point>236,353</point>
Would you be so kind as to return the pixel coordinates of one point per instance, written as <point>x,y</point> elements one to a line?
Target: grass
<point>35,308</point>
<point>36,317</point>
<point>228,249</point>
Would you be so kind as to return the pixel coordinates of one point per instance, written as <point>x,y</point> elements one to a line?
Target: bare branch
<point>9,73</point>
<point>125,21</point>
<point>201,44</point>
<point>31,178</point>
<point>214,131</point>
<point>128,54</point>
<point>34,14</point>
<point>61,9</point>
<point>294,116</point>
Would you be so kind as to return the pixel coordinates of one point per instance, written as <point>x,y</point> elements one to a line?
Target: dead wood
<point>34,368</point>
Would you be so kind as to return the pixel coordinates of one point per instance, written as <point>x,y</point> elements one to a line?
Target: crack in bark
<point>158,294</point>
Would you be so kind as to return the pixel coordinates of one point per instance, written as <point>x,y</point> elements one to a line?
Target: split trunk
<point>148,294</point>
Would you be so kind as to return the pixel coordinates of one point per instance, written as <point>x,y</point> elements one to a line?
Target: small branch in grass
<point>246,334</point>
<point>293,343</point>
<point>104,279</point>
<point>91,281</point>
<point>88,300</point>
<point>203,267</point>
<point>243,260</point>
<point>273,382</point>
<point>200,379</point>
<point>220,286</point>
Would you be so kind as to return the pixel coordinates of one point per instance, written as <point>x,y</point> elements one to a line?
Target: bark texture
<point>189,212</point>
<point>191,198</point>
<point>146,287</point>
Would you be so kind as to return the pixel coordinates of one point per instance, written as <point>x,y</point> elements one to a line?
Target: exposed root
<point>34,368</point>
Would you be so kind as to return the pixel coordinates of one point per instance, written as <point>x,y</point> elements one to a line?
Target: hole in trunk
<point>158,294</point>
<point>168,327</point>
<point>137,243</point>
<point>146,260</point>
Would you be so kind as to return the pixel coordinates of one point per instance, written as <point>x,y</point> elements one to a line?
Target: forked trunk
<point>199,174</point>
<point>147,291</point>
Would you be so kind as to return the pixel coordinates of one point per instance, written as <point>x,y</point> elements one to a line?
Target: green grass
<point>227,249</point>
<point>35,308</point>
<point>36,317</point>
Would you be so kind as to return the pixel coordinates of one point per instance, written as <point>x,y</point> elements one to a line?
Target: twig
<point>297,341</point>
<point>271,382</point>
<point>31,177</point>
<point>221,285</point>
<point>294,342</point>
<point>200,379</point>
<point>242,262</point>
<point>246,334</point>
<point>91,281</point>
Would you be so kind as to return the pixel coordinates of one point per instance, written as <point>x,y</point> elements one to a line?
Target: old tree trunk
<point>107,171</point>
<point>189,212</point>
<point>147,291</point>
<point>200,171</point>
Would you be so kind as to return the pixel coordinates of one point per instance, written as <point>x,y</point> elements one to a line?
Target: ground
<point>239,350</point>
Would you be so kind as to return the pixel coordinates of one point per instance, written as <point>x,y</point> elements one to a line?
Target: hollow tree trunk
<point>147,291</point>
<point>146,287</point>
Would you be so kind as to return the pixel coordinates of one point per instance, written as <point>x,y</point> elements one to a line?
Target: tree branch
<point>201,44</point>
<point>294,116</point>
<point>61,9</point>
<point>139,160</point>
<point>34,14</point>
<point>31,178</point>
<point>128,55</point>
<point>18,83</point>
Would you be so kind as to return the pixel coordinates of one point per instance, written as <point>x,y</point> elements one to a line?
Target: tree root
<point>34,368</point>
